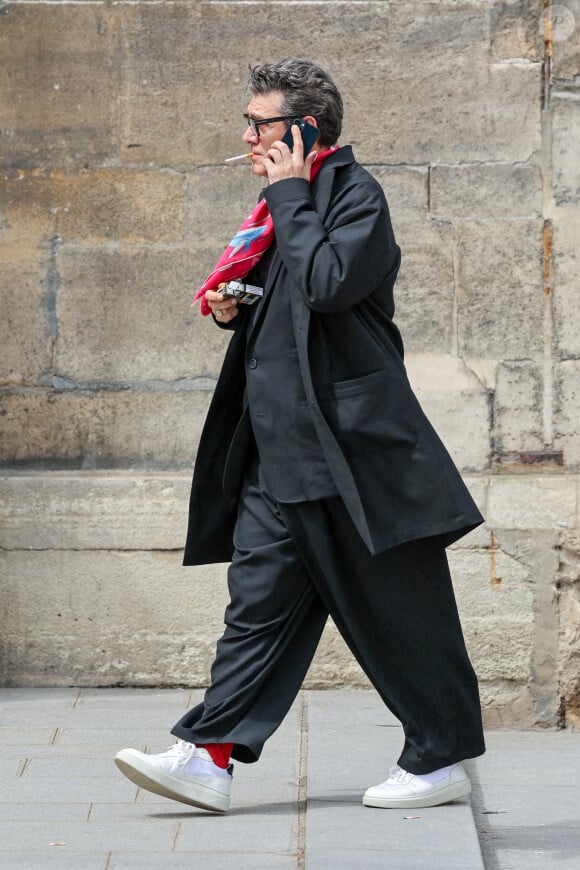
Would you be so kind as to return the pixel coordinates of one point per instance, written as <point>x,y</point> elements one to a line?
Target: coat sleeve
<point>338,265</point>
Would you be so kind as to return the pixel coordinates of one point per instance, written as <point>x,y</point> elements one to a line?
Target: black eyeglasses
<point>255,123</point>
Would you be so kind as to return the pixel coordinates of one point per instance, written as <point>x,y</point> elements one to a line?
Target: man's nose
<point>249,136</point>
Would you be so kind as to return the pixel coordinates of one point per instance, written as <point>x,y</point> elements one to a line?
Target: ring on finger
<point>219,312</point>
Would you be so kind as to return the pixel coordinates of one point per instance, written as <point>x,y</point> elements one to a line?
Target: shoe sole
<point>450,793</point>
<point>194,794</point>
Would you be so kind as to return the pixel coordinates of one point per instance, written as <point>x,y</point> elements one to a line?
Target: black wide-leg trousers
<point>294,564</point>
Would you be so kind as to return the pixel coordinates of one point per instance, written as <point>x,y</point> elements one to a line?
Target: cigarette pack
<point>246,294</point>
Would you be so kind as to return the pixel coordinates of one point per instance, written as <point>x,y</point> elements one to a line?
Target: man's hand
<point>281,163</point>
<point>223,309</point>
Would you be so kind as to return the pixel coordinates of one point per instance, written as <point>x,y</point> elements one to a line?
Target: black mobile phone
<point>309,135</point>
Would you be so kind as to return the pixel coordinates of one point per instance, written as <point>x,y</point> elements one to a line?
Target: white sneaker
<point>184,773</point>
<point>405,790</point>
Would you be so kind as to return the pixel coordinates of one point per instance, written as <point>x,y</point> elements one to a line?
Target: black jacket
<point>337,259</point>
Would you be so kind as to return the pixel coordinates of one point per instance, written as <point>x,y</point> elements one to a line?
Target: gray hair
<point>306,90</point>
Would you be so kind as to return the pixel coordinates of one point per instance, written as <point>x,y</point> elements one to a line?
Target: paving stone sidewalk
<point>65,805</point>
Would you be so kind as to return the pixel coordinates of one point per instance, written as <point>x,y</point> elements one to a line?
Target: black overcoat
<point>337,259</point>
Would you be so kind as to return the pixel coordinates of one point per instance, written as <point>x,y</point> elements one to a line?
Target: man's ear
<point>311,120</point>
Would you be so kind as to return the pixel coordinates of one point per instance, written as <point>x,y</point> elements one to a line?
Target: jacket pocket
<point>373,411</point>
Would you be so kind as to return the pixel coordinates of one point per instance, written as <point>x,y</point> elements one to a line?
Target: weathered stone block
<point>102,429</point>
<point>566,45</point>
<point>462,422</point>
<point>109,629</point>
<point>517,30</point>
<point>500,651</point>
<point>424,288</point>
<point>538,550</point>
<point>103,631</point>
<point>450,374</point>
<point>217,200</point>
<point>486,191</point>
<point>26,219</point>
<point>480,114</point>
<point>500,289</point>
<point>570,655</point>
<point>87,511</point>
<point>407,191</point>
<point>518,402</point>
<point>566,286</point>
<point>59,85</point>
<point>565,137</point>
<point>125,315</point>
<point>101,622</point>
<point>567,412</point>
<point>119,206</point>
<point>505,704</point>
<point>148,57</point>
<point>522,647</point>
<point>569,558</point>
<point>532,502</point>
<point>92,206</point>
<point>508,602</point>
<point>569,624</point>
<point>492,585</point>
<point>25,324</point>
<point>514,111</point>
<point>165,86</point>
<point>457,404</point>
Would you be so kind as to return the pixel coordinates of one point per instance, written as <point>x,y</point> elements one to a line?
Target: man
<point>319,476</point>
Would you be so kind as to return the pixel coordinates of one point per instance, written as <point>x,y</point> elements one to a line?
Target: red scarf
<point>249,244</point>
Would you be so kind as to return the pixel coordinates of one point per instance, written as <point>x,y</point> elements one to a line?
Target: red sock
<point>220,752</point>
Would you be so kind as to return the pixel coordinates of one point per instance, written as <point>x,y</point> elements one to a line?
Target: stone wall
<point>114,203</point>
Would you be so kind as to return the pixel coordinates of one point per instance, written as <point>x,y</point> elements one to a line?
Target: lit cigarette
<point>239,157</point>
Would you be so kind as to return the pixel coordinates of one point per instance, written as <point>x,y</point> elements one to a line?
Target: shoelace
<point>397,774</point>
<point>182,750</point>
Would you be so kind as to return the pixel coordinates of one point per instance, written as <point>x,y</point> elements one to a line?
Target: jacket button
<point>253,363</point>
